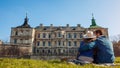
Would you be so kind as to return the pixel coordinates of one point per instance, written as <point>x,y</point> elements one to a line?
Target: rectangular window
<point>43,43</point>
<point>69,35</point>
<point>69,43</point>
<point>49,44</point>
<point>59,43</point>
<point>38,43</point>
<point>75,35</point>
<point>37,50</point>
<point>49,36</point>
<point>44,35</point>
<point>48,51</point>
<point>38,35</point>
<point>59,34</point>
<point>75,43</point>
<point>16,33</point>
<point>43,51</point>
<point>15,41</point>
<point>81,35</point>
<point>63,43</point>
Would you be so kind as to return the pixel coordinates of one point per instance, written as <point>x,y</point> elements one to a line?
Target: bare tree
<point>114,39</point>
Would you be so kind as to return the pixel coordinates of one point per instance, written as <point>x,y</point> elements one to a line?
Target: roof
<point>25,24</point>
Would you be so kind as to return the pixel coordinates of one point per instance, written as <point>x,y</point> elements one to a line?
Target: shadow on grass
<point>56,61</point>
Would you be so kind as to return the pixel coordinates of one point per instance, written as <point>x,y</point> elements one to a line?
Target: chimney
<point>78,25</point>
<point>67,25</point>
<point>41,25</point>
<point>51,25</point>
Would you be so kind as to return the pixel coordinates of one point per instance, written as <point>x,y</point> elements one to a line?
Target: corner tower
<point>94,27</point>
<point>93,23</point>
<point>23,35</point>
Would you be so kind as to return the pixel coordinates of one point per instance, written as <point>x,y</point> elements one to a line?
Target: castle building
<point>51,40</point>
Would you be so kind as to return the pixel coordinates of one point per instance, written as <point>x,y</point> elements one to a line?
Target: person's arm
<point>86,46</point>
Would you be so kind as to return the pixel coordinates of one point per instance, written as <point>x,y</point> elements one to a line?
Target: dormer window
<point>73,29</point>
<point>44,29</point>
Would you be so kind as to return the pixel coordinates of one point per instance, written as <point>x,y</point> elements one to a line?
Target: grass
<point>30,63</point>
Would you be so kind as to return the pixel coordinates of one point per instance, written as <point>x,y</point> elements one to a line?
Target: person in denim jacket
<point>104,47</point>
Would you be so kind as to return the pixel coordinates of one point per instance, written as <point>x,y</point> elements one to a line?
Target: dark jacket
<point>86,49</point>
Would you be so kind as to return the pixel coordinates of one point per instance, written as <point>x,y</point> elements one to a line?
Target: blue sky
<point>59,13</point>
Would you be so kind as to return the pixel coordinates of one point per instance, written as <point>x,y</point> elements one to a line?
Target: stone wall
<point>8,50</point>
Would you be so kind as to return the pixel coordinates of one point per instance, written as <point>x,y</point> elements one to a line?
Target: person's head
<point>98,33</point>
<point>89,36</point>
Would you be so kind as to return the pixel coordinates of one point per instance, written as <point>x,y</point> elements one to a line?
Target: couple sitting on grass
<point>95,48</point>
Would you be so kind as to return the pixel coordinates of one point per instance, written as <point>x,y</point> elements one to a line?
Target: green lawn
<point>29,63</point>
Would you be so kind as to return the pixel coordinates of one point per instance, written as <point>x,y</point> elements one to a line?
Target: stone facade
<point>51,40</point>
<point>12,50</point>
